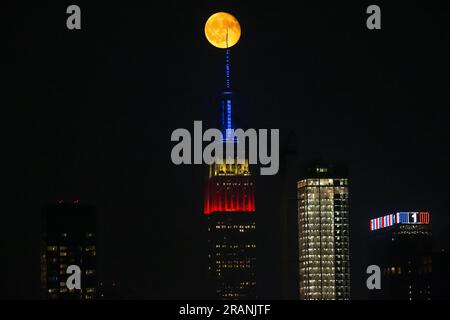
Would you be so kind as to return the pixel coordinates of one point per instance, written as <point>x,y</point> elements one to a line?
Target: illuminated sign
<point>399,218</point>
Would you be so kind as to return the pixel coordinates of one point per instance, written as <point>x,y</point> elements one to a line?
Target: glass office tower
<point>323,222</point>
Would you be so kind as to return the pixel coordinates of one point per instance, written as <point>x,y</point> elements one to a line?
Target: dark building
<point>229,205</point>
<point>288,250</point>
<point>401,245</point>
<point>109,291</point>
<point>440,286</point>
<point>323,234</point>
<point>69,238</point>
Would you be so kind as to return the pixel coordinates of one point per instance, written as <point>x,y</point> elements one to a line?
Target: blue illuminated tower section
<point>227,100</point>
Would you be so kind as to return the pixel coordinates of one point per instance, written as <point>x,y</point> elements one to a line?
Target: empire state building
<point>229,207</point>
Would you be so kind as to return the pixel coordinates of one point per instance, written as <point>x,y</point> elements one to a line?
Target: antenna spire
<point>227,65</point>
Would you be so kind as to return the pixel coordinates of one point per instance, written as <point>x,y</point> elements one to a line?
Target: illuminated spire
<point>227,66</point>
<point>227,122</point>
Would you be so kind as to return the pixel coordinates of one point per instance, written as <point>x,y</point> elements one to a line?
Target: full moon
<point>218,26</point>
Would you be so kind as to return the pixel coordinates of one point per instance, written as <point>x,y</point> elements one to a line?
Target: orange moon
<point>218,26</point>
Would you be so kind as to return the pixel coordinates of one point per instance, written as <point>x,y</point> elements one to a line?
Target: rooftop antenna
<point>227,103</point>
<point>228,67</point>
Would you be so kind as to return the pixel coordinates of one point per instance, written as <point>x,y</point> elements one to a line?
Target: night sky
<point>88,115</point>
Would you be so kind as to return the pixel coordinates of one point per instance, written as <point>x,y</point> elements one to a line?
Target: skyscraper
<point>229,206</point>
<point>401,245</point>
<point>323,222</point>
<point>69,238</point>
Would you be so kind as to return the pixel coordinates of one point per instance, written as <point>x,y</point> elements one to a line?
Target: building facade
<point>401,245</point>
<point>230,211</point>
<point>69,238</point>
<point>323,234</point>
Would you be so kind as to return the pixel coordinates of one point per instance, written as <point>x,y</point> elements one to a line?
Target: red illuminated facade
<point>229,194</point>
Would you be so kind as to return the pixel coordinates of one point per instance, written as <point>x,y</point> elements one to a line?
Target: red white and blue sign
<point>400,218</point>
